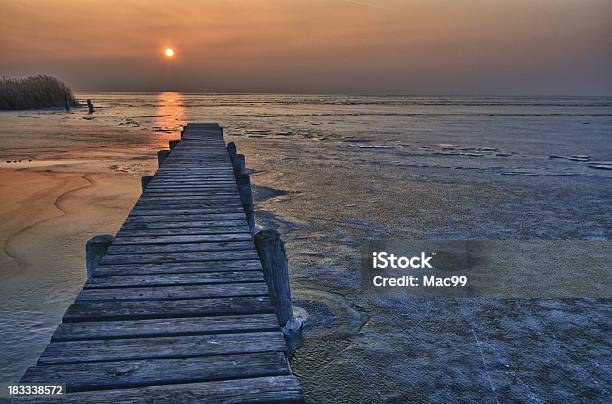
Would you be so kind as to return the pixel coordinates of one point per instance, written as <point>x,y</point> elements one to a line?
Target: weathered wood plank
<point>189,175</point>
<point>188,185</point>
<point>178,267</point>
<point>173,292</point>
<point>161,347</point>
<point>194,180</point>
<point>274,389</point>
<point>164,189</point>
<point>128,232</point>
<point>183,212</point>
<point>161,258</point>
<point>181,204</point>
<point>183,218</point>
<point>187,197</point>
<point>243,240</point>
<point>135,310</point>
<point>172,247</point>
<point>208,194</point>
<point>137,373</point>
<point>165,327</point>
<point>203,225</point>
<point>174,279</point>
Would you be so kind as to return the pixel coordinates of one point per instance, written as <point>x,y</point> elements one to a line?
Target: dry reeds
<point>37,91</point>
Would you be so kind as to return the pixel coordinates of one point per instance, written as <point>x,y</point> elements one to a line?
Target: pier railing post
<point>144,181</point>
<point>162,155</point>
<point>94,251</point>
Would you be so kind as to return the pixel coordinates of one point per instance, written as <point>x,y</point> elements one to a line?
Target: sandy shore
<point>50,208</point>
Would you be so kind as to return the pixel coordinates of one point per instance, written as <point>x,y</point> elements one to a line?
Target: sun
<point>169,52</point>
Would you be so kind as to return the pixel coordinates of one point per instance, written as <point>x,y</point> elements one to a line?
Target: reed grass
<point>38,91</point>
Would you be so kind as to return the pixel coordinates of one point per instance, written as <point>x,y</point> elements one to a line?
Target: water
<point>331,171</point>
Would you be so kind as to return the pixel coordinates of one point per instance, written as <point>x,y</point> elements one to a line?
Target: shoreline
<point>48,214</point>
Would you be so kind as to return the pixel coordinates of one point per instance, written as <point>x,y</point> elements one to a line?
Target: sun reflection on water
<point>169,115</point>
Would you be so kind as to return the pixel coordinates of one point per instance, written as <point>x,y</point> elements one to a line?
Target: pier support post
<point>231,149</point>
<point>162,155</point>
<point>239,164</point>
<point>173,143</point>
<point>271,251</point>
<point>94,251</point>
<point>144,181</point>
<point>246,198</point>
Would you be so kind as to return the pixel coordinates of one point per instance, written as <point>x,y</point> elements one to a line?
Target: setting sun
<point>169,52</point>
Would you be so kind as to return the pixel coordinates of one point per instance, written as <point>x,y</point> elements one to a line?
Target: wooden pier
<point>177,309</point>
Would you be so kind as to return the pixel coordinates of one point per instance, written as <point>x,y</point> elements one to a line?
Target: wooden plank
<point>178,268</point>
<point>182,212</point>
<point>137,373</point>
<point>174,279</point>
<point>211,226</point>
<point>174,247</point>
<point>135,310</point>
<point>169,197</point>
<point>161,347</point>
<point>174,292</point>
<point>183,218</point>
<point>242,240</point>
<point>203,180</point>
<point>273,389</point>
<point>161,258</point>
<point>195,180</point>
<point>211,193</point>
<point>225,170</point>
<point>194,175</point>
<point>165,327</point>
<point>128,232</point>
<point>157,205</point>
<point>191,188</point>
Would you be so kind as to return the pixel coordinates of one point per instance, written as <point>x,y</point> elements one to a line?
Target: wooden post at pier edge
<point>231,149</point>
<point>162,155</point>
<point>144,181</point>
<point>240,164</point>
<point>94,251</point>
<point>246,197</point>
<point>271,251</point>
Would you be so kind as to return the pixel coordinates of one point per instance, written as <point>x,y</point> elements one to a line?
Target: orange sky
<point>330,46</point>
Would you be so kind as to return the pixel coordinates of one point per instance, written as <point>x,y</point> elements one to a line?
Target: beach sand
<point>50,207</point>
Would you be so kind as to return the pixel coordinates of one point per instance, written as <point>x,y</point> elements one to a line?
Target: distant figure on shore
<point>66,102</point>
<point>90,106</point>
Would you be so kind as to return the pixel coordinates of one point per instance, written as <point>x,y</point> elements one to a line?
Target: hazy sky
<point>329,46</point>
